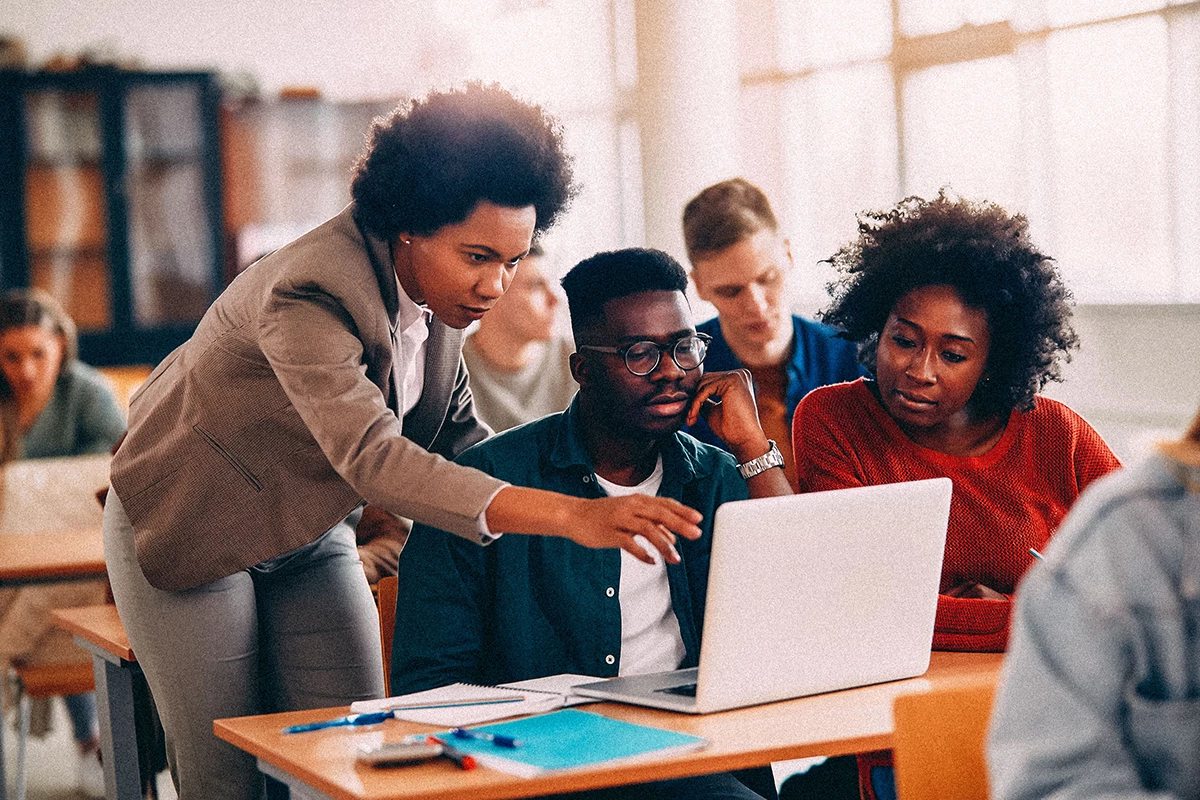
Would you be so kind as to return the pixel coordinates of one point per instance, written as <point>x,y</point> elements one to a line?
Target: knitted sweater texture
<point>1006,501</point>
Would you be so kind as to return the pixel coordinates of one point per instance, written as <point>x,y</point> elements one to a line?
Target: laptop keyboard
<point>687,690</point>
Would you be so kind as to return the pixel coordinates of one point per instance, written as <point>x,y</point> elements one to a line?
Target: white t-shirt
<point>650,637</point>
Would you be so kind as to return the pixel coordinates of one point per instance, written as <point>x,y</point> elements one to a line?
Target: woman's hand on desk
<point>601,522</point>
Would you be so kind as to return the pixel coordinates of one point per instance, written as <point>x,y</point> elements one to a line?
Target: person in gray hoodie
<point>1100,692</point>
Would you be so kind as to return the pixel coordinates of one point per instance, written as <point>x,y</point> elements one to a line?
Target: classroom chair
<point>386,596</point>
<point>37,682</point>
<point>939,743</point>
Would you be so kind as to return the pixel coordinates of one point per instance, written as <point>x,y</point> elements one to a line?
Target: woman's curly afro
<point>431,161</point>
<point>985,254</point>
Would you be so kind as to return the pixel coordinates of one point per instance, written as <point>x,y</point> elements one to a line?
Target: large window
<point>576,57</point>
<point>1085,116</point>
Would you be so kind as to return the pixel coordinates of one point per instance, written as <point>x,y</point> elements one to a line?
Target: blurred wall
<point>1136,377</point>
<point>365,49</point>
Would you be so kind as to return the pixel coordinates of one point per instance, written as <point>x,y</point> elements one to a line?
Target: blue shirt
<point>528,606</point>
<point>82,417</point>
<point>819,358</point>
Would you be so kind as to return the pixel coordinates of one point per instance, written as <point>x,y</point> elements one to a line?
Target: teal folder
<point>571,739</point>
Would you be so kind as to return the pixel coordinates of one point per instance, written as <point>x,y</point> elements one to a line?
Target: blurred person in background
<point>379,536</point>
<point>740,263</point>
<point>51,406</point>
<point>519,369</point>
<point>1100,691</point>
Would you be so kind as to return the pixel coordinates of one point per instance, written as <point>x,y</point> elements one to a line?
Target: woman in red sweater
<point>961,321</point>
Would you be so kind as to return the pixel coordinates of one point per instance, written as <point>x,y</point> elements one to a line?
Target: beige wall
<point>1136,376</point>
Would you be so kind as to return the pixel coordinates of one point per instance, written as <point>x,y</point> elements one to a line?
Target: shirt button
<point>610,660</point>
<point>610,591</point>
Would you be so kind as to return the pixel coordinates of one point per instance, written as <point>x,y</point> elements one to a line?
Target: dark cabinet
<point>111,201</point>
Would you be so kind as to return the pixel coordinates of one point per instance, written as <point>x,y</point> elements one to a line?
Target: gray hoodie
<point>1100,692</point>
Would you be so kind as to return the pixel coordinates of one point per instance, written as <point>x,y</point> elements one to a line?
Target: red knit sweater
<point>1004,502</point>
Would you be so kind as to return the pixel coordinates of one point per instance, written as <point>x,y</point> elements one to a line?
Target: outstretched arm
<point>602,522</point>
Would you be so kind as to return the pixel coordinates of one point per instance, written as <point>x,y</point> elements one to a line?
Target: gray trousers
<point>299,631</point>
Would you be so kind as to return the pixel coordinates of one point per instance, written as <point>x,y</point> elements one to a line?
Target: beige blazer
<point>279,416</point>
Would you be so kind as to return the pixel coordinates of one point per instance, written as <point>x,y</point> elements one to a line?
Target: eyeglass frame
<point>623,352</point>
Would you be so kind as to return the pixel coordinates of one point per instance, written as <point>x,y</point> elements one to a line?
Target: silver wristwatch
<point>771,458</point>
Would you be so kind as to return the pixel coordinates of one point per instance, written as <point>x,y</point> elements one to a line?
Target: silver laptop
<point>807,594</point>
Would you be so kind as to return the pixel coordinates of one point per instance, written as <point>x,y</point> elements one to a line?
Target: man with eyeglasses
<point>529,606</point>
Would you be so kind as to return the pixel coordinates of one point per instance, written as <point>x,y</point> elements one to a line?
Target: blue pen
<point>498,739</point>
<point>1036,554</point>
<point>380,716</point>
<point>349,719</point>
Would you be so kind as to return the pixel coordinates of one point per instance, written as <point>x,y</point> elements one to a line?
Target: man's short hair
<point>724,214</point>
<point>617,273</point>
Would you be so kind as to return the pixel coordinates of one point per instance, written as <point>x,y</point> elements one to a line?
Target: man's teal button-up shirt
<point>528,606</point>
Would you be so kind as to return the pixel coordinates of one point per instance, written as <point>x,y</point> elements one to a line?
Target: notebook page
<point>462,704</point>
<point>562,684</point>
<point>465,703</point>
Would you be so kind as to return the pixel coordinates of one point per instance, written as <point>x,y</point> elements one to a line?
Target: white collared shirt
<point>412,331</point>
<point>412,335</point>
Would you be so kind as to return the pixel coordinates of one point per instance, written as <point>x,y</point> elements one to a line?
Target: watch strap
<point>756,466</point>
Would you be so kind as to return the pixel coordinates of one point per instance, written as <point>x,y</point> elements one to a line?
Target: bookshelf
<point>113,202</point>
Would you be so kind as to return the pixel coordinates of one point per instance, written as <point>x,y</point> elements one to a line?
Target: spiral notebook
<point>461,704</point>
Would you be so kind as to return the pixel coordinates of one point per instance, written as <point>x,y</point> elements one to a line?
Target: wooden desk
<point>27,558</point>
<point>321,764</point>
<point>123,702</point>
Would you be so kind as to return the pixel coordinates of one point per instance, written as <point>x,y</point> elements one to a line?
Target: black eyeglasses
<point>642,358</point>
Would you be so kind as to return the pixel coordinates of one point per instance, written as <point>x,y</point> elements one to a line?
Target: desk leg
<point>299,791</point>
<point>3,774</point>
<point>118,730</point>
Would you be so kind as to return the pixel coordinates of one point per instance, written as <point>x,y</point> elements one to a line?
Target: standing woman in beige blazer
<point>329,373</point>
